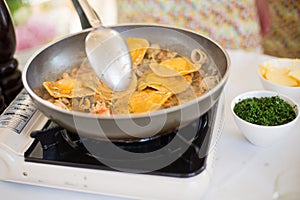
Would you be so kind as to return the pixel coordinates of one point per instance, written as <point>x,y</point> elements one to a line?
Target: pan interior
<point>60,56</point>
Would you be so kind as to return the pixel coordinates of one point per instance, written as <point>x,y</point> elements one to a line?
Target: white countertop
<point>241,170</point>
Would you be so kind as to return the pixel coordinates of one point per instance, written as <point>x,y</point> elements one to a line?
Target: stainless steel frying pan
<point>61,55</point>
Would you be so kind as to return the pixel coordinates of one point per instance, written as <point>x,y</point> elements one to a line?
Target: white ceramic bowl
<point>293,92</point>
<point>264,135</point>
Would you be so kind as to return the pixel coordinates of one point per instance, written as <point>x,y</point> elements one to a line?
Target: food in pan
<point>161,79</point>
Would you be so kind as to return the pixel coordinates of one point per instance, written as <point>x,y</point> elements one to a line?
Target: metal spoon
<point>107,52</point>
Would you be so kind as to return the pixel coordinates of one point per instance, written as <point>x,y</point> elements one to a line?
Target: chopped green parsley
<point>266,111</point>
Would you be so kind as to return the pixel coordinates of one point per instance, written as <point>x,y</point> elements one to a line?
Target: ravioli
<point>172,67</point>
<point>137,48</point>
<point>175,84</point>
<point>67,87</point>
<point>147,100</point>
<point>109,94</point>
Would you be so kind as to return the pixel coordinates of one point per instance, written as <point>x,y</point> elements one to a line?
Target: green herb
<point>266,111</point>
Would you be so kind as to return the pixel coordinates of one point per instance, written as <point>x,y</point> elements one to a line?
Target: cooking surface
<point>241,170</point>
<point>58,151</point>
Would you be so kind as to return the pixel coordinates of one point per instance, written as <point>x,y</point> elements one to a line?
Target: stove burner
<point>55,145</point>
<point>48,140</point>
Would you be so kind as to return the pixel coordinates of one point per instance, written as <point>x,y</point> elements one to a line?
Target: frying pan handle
<point>87,15</point>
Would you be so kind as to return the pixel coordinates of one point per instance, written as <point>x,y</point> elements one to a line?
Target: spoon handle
<point>88,16</point>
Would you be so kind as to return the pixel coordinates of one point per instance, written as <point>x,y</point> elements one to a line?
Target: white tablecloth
<point>240,171</point>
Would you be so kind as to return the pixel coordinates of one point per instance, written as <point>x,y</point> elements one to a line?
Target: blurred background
<point>38,22</point>
<point>283,39</point>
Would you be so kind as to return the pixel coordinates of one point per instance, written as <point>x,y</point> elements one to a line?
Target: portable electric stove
<point>34,150</point>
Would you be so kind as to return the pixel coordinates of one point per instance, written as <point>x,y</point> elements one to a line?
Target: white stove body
<point>14,168</point>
